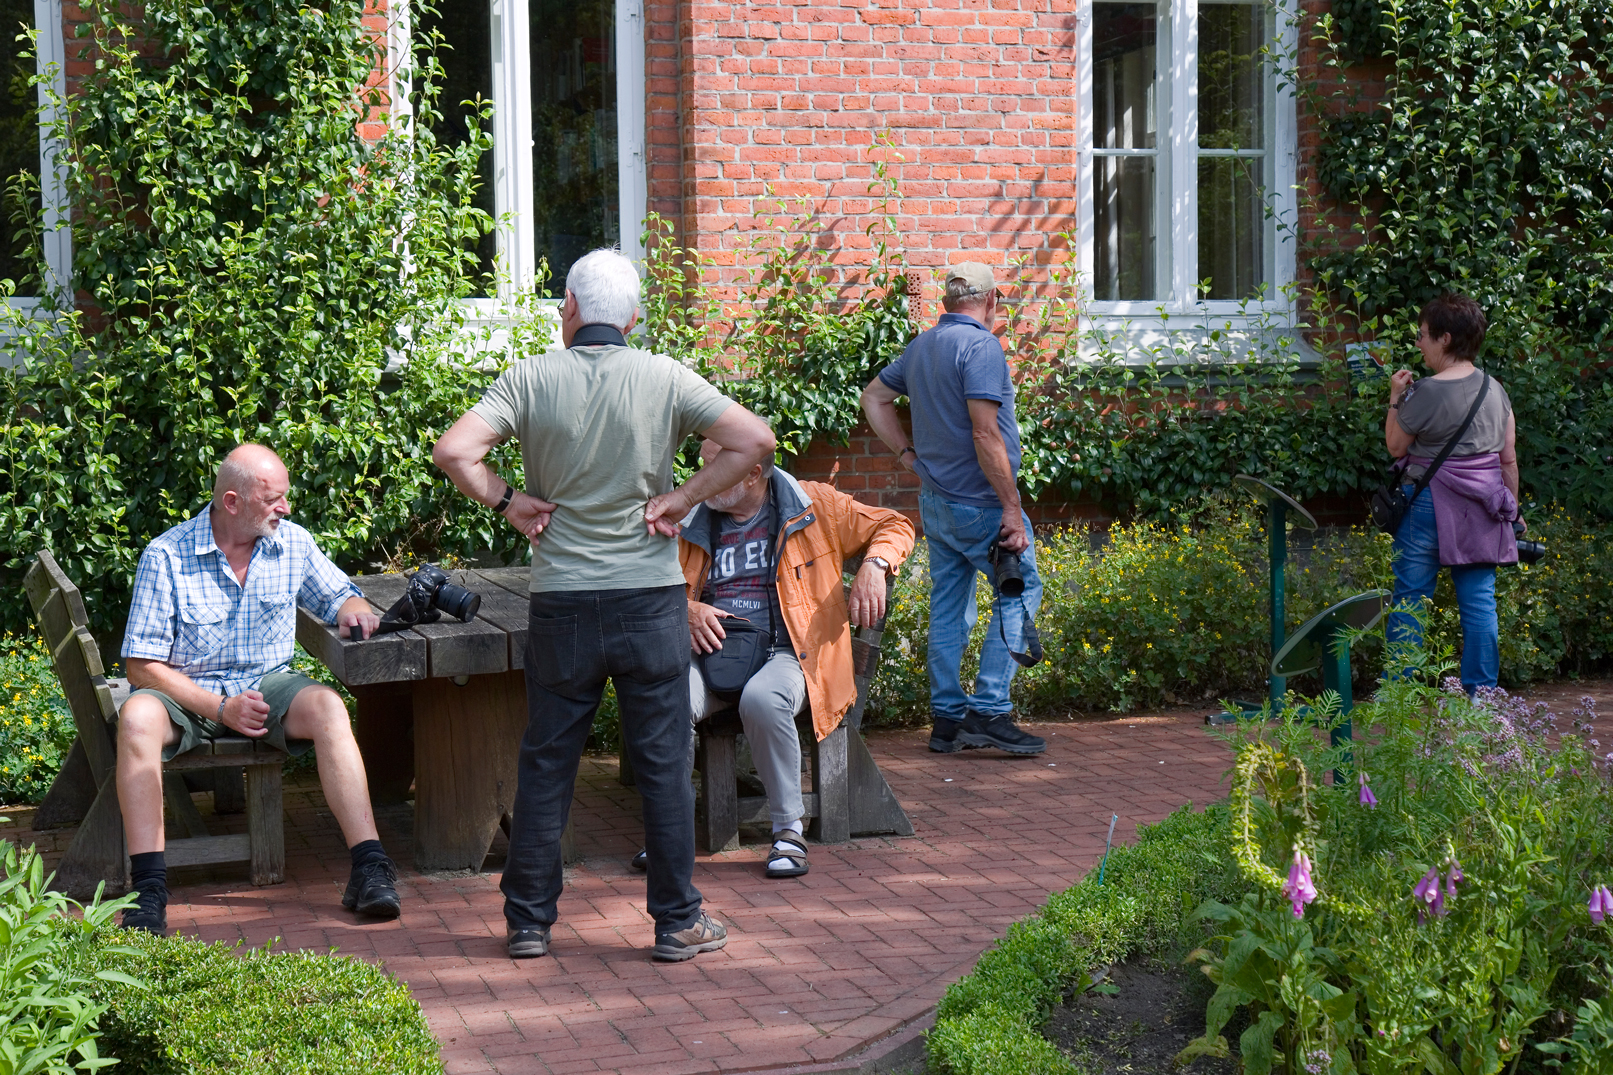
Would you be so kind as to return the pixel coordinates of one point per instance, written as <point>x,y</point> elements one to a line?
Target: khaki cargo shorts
<point>278,690</point>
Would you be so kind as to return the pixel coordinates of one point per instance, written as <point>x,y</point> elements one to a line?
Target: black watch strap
<point>504,502</point>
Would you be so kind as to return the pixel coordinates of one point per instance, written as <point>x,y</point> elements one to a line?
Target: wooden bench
<point>85,791</point>
<point>849,795</point>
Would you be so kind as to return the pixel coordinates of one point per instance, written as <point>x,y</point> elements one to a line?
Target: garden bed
<point>1137,1019</point>
<point>1445,908</point>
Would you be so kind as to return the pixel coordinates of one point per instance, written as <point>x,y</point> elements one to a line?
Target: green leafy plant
<point>271,255</point>
<point>36,727</point>
<point>305,1013</point>
<point>49,1016</point>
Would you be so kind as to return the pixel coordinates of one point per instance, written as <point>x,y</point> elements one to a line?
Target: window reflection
<point>574,179</point>
<point>1126,141</point>
<point>19,140</point>
<point>467,65</point>
<point>1232,150</point>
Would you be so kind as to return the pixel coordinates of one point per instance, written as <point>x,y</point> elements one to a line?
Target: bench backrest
<point>59,611</point>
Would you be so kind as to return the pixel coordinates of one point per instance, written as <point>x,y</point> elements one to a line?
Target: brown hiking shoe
<point>706,935</point>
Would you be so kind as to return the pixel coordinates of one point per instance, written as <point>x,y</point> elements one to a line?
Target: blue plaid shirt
<point>190,611</point>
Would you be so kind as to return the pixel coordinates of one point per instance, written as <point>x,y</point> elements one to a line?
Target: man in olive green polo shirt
<point>599,423</point>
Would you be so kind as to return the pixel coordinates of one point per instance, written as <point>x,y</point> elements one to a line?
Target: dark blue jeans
<point>640,640</point>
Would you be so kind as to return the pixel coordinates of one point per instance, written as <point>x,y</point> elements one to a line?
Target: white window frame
<point>50,60</point>
<point>1149,327</point>
<point>513,198</point>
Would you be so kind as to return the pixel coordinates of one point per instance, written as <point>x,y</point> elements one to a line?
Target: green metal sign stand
<point>1279,507</point>
<point>1324,642</point>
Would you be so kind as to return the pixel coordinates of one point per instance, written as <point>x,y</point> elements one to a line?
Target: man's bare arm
<point>460,453</point>
<point>245,712</point>
<point>745,440</point>
<point>879,407</point>
<point>992,452</point>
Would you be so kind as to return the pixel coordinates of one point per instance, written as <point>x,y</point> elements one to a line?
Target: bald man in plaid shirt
<point>209,642</point>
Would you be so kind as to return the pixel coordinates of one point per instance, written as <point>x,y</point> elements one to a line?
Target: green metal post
<point>1336,677</point>
<point>1277,524</point>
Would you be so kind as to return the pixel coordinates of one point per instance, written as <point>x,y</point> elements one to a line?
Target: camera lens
<point>458,602</point>
<point>1531,552</point>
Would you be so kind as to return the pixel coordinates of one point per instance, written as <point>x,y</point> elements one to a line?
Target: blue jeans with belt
<point>1416,567</point>
<point>958,536</point>
<point>640,640</point>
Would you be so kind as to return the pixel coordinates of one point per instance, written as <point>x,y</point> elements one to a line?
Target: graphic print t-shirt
<point>743,579</point>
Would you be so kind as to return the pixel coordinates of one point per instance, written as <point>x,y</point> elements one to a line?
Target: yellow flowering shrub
<point>1175,611</point>
<point>36,728</point>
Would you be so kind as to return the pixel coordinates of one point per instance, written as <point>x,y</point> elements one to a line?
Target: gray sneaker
<point>527,943</point>
<point>706,935</point>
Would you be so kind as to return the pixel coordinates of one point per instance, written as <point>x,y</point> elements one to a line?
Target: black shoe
<point>980,730</point>
<point>149,912</point>
<point>371,889</point>
<point>944,736</point>
<point>641,861</point>
<point>527,943</point>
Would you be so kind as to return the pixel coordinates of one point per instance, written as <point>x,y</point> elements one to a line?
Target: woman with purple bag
<point>1454,436</point>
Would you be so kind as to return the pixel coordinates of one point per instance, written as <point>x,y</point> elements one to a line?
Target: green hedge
<point>207,1008</point>
<point>989,1023</point>
<point>1175,611</point>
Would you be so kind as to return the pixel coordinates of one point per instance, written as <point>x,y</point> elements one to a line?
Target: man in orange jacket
<point>779,545</point>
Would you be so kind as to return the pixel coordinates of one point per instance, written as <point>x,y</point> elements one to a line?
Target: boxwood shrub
<point>208,1009</point>
<point>989,1023</point>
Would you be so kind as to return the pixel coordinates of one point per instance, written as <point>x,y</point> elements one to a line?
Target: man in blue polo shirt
<point>966,452</point>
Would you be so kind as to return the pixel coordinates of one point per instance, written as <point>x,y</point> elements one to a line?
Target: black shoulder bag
<point>1390,502</point>
<point>745,647</point>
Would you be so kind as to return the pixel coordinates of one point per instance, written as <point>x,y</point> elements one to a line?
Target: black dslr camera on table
<point>429,595</point>
<point>1009,581</point>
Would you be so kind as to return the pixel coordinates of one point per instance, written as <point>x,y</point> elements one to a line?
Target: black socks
<point>365,850</point>
<point>148,871</point>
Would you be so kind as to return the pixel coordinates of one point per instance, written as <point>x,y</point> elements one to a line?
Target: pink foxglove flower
<point>1431,900</point>
<point>1300,890</point>
<point>1601,903</point>
<point>1454,876</point>
<point>1367,798</point>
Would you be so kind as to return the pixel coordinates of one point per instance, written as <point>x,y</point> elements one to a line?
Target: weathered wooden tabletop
<point>493,642</point>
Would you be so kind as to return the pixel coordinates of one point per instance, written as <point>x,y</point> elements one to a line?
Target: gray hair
<point>606,287</point>
<point>961,293</point>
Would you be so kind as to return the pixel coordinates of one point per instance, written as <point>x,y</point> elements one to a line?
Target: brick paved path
<point>816,968</point>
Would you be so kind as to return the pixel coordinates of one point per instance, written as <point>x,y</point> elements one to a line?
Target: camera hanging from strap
<point>1390,502</point>
<point>745,647</point>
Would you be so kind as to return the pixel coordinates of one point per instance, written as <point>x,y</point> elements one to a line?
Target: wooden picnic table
<point>461,689</point>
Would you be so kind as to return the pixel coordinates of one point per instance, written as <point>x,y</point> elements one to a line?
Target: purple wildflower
<point>1454,876</point>
<point>1299,889</point>
<point>1367,798</point>
<point>1601,903</point>
<point>1431,898</point>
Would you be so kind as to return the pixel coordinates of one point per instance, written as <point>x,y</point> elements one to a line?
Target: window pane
<point>1123,39</point>
<point>467,64</point>
<point>574,181</point>
<point>1232,98</point>
<point>19,138</point>
<point>1232,226</point>
<point>1123,219</point>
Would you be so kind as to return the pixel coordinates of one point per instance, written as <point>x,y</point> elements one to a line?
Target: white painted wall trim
<point>632,164</point>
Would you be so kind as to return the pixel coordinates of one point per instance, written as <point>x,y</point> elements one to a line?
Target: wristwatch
<point>222,702</point>
<point>904,451</point>
<point>504,502</point>
<point>884,564</point>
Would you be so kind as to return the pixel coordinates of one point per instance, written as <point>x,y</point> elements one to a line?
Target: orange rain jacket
<point>822,528</point>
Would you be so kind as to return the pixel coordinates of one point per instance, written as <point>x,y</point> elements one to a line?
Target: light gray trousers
<point>767,709</point>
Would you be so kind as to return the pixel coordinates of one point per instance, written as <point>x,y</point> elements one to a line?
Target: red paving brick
<point>815,969</point>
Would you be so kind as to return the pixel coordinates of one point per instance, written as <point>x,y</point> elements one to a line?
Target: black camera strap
<point>1033,638</point>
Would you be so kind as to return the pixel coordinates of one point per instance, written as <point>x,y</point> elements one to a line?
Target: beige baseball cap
<point>974,275</point>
